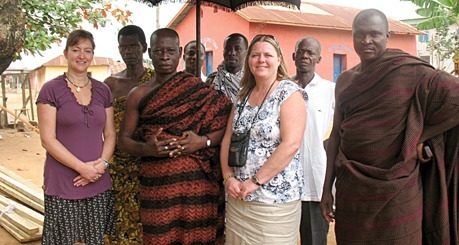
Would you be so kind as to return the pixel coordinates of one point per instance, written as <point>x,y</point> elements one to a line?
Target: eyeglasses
<point>262,36</point>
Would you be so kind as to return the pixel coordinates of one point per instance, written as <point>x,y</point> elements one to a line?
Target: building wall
<point>46,73</point>
<point>216,26</point>
<point>337,42</point>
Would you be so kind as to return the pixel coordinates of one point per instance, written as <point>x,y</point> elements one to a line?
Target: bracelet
<point>107,163</point>
<point>227,178</point>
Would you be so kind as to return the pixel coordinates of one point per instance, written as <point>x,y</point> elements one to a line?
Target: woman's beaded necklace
<point>78,88</point>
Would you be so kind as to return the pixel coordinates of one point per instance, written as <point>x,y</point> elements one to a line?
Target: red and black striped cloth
<point>182,198</point>
<point>382,195</point>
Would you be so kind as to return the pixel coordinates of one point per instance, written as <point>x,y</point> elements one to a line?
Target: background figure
<point>321,92</point>
<point>189,56</point>
<point>230,71</point>
<point>125,168</point>
<point>182,121</point>
<point>75,115</point>
<point>387,107</point>
<point>264,195</point>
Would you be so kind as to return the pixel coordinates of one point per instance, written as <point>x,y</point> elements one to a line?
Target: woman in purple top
<point>75,114</point>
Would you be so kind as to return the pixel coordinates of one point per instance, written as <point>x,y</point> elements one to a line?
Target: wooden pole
<point>4,118</point>
<point>20,119</point>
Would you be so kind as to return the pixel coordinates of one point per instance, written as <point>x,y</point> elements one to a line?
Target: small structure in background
<point>13,82</point>
<point>19,88</point>
<point>99,70</point>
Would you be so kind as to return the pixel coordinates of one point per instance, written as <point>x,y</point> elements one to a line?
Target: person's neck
<point>78,79</point>
<point>161,78</point>
<point>190,71</point>
<point>135,71</point>
<point>304,78</point>
<point>233,69</point>
<point>264,85</point>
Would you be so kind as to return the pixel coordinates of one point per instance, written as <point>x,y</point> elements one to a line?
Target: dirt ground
<point>22,152</point>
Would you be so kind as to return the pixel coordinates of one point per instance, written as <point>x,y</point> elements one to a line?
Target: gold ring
<point>166,148</point>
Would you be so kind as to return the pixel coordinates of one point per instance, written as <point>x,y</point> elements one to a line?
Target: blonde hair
<point>248,80</point>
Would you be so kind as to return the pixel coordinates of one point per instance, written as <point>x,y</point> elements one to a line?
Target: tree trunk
<point>12,31</point>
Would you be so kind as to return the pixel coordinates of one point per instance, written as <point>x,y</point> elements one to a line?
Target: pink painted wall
<point>216,26</point>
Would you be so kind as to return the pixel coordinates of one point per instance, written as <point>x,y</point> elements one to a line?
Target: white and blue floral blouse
<point>265,136</point>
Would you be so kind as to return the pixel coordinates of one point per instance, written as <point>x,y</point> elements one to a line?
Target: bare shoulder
<point>112,80</point>
<point>345,79</point>
<point>140,91</point>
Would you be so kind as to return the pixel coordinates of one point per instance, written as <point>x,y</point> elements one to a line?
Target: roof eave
<point>324,27</point>
<point>181,14</point>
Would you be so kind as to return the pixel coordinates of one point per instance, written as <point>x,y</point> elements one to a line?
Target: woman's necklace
<point>78,88</point>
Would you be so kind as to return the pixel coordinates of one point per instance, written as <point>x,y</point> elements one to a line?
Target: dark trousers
<point>313,227</point>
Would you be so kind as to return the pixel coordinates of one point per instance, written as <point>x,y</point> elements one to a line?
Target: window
<point>424,38</point>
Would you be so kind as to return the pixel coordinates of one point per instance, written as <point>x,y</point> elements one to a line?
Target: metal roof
<point>315,15</point>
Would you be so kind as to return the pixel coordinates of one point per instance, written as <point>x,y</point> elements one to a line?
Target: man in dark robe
<point>182,120</point>
<point>388,108</point>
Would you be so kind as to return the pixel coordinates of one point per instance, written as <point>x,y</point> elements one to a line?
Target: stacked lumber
<point>21,218</point>
<point>26,192</point>
<point>20,221</point>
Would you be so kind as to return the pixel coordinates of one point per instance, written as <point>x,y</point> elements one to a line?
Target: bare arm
<point>153,147</point>
<point>47,125</point>
<point>109,135</point>
<point>326,204</point>
<point>232,185</point>
<point>292,125</point>
<point>332,151</point>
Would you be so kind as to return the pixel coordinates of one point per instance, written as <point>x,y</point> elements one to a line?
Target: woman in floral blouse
<point>264,204</point>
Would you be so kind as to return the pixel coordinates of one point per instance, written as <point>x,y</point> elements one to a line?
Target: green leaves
<point>49,21</point>
<point>440,15</point>
<point>436,22</point>
<point>437,12</point>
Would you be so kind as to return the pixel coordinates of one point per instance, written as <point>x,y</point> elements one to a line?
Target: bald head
<point>370,35</point>
<point>311,41</point>
<point>164,32</point>
<point>165,51</point>
<point>366,14</point>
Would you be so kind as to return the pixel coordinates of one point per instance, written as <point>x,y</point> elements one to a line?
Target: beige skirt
<point>261,223</point>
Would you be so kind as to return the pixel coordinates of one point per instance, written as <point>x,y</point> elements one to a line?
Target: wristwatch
<point>255,180</point>
<point>208,142</point>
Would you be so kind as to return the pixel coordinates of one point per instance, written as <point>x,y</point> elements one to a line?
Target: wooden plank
<point>20,119</point>
<point>23,189</point>
<point>22,223</point>
<point>24,211</point>
<point>18,233</point>
<point>22,198</point>
<point>21,179</point>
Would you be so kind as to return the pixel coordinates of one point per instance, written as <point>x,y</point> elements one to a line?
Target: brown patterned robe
<point>381,195</point>
<point>182,198</point>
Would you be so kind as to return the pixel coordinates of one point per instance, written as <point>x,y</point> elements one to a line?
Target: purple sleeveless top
<point>80,129</point>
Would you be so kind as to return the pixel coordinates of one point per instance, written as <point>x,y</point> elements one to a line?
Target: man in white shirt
<point>321,104</point>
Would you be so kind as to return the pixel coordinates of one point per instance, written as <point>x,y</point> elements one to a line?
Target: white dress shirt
<point>321,106</point>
